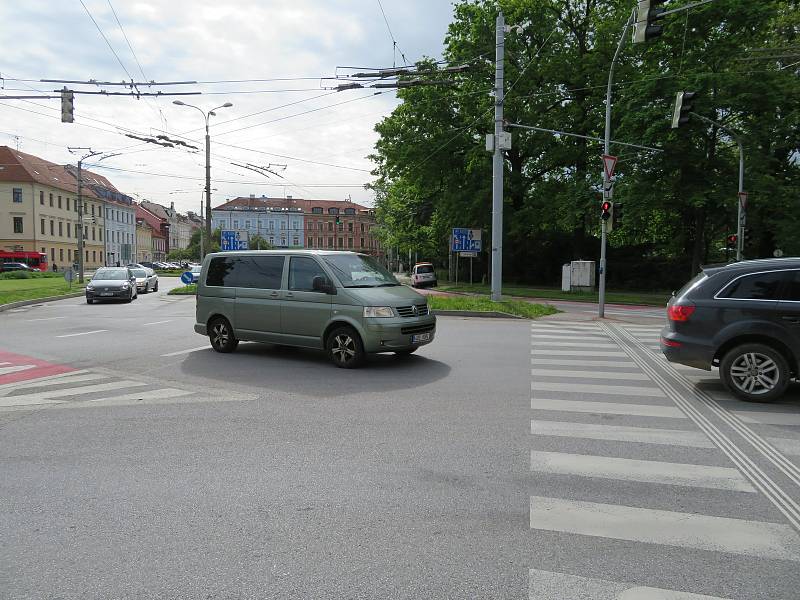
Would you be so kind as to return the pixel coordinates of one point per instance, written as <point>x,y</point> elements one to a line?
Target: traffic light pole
<point>742,210</point>
<point>606,146</point>
<point>497,164</point>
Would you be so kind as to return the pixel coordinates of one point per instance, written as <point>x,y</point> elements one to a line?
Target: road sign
<point>468,254</point>
<point>743,200</point>
<point>69,275</point>
<point>234,240</point>
<point>778,253</point>
<point>187,277</point>
<point>609,164</point>
<point>466,240</point>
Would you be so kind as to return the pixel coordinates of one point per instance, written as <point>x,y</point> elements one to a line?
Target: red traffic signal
<point>605,210</point>
<point>732,239</point>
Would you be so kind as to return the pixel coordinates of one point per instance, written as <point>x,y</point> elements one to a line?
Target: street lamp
<point>208,160</point>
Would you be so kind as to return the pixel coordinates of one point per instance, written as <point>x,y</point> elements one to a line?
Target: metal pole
<point>497,164</point>
<point>208,185</point>
<point>202,227</point>
<point>80,224</point>
<point>742,213</point>
<point>606,147</point>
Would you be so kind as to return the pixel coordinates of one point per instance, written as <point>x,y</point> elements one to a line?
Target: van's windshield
<point>356,270</point>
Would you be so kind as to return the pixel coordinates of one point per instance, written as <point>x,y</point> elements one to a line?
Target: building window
<point>247,224</point>
<point>101,234</point>
<point>341,243</point>
<point>59,202</point>
<point>310,242</point>
<point>69,229</point>
<point>310,226</point>
<point>330,225</point>
<point>350,227</point>
<point>67,203</point>
<point>319,242</point>
<point>17,194</point>
<point>69,254</point>
<point>51,199</point>
<point>349,211</point>
<point>52,254</point>
<point>349,242</point>
<point>92,209</point>
<point>61,254</point>
<point>362,230</point>
<point>60,229</point>
<point>272,240</point>
<point>94,255</point>
<point>17,224</point>
<point>41,198</point>
<point>333,211</point>
<point>296,241</point>
<point>236,224</point>
<point>52,228</point>
<point>362,243</point>
<point>93,233</point>
<point>283,225</point>
<point>101,256</point>
<point>317,210</point>
<point>330,242</point>
<point>42,222</point>
<point>341,226</point>
<point>320,226</point>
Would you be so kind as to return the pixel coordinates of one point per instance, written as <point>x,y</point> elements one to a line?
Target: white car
<point>423,275</point>
<point>146,280</point>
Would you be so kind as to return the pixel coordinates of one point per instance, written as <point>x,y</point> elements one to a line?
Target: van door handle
<point>795,320</point>
<point>274,295</point>
<point>289,295</point>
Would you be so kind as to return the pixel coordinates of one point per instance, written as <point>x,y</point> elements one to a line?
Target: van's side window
<point>261,272</point>
<point>220,270</point>
<point>302,271</point>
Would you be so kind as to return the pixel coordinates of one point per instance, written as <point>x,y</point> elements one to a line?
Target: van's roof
<point>286,251</point>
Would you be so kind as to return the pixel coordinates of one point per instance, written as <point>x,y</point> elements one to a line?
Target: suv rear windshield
<point>425,269</point>
<point>357,270</point>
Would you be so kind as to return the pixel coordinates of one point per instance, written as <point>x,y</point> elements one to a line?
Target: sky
<point>324,150</point>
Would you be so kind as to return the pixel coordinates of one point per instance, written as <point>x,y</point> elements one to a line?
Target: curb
<point>475,313</point>
<point>20,303</point>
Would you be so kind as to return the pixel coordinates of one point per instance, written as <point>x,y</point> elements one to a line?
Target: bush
<point>16,275</point>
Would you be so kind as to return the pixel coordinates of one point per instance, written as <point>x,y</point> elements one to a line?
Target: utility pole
<point>80,205</point>
<point>497,162</point>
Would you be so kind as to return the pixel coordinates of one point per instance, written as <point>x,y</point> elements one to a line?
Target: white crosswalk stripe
<point>550,584</point>
<point>585,388</point>
<point>607,408</point>
<point>618,433</point>
<point>541,352</point>
<point>716,534</point>
<point>570,361</point>
<point>595,374</point>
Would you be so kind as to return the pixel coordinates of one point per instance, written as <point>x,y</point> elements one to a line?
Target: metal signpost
<point>69,276</point>
<point>234,240</point>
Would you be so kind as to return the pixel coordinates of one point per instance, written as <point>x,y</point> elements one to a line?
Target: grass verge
<point>15,290</point>
<point>186,290</point>
<point>518,308</point>
<point>645,298</point>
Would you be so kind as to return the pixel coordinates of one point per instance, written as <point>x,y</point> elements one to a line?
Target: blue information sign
<point>232,240</point>
<point>187,277</point>
<point>466,240</point>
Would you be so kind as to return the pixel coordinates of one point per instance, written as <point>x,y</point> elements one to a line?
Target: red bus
<point>35,260</point>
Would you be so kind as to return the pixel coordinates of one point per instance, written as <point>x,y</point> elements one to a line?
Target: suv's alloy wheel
<point>755,372</point>
<point>221,335</point>
<point>345,348</point>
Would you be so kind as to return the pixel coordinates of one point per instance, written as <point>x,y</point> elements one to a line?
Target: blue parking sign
<point>466,240</point>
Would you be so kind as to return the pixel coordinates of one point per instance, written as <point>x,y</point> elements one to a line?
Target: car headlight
<point>378,311</point>
<point>125,286</point>
<point>90,288</point>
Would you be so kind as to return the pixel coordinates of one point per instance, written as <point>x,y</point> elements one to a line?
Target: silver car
<point>146,280</point>
<point>111,283</point>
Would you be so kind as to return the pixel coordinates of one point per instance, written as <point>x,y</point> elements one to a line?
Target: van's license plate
<point>422,337</point>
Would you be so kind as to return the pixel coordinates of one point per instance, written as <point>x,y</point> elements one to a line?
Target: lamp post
<point>206,116</point>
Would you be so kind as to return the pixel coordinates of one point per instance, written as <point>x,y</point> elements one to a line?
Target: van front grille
<point>417,329</point>
<point>408,311</point>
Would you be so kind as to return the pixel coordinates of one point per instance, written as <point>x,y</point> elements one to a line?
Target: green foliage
<point>518,308</point>
<point>30,275</point>
<point>433,172</point>
<point>186,290</point>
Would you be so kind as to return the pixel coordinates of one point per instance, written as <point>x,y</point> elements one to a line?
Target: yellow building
<point>144,241</point>
<point>39,209</point>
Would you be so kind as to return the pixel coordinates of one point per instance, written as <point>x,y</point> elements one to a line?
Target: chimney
<point>252,195</point>
<point>172,206</point>
<point>288,197</point>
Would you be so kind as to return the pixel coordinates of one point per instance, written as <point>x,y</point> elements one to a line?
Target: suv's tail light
<point>680,312</point>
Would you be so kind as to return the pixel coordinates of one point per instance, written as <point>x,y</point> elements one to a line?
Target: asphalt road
<point>558,460</point>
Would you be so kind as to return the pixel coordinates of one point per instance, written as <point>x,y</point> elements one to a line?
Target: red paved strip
<point>35,368</point>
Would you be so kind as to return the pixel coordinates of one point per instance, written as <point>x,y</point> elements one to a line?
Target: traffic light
<point>617,213</point>
<point>731,241</point>
<point>746,233</point>
<point>647,14</point>
<point>67,106</point>
<point>606,210</point>
<point>683,106</point>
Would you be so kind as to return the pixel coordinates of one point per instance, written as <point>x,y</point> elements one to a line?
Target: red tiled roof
<point>18,166</point>
<point>152,220</point>
<point>305,205</point>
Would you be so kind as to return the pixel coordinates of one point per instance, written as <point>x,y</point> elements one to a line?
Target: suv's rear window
<point>425,269</point>
<point>759,286</point>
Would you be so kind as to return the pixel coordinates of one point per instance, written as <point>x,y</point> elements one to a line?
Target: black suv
<point>743,318</point>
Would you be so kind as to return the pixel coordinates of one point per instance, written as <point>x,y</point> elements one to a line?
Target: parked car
<point>146,264</point>
<point>743,318</point>
<point>423,275</point>
<point>111,283</point>
<point>342,302</point>
<point>146,280</point>
<point>14,266</point>
<point>195,271</point>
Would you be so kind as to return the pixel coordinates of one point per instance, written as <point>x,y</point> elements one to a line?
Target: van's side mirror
<point>321,284</point>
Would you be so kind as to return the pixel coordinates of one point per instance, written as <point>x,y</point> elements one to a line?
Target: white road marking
<point>570,336</point>
<point>76,391</point>
<point>768,418</point>
<point>158,322</point>
<point>550,584</point>
<point>580,353</point>
<point>619,433</point>
<point>597,374</point>
<point>715,534</point>
<point>82,333</point>
<point>34,382</point>
<point>648,471</point>
<point>179,352</point>
<point>25,401</point>
<point>581,344</point>
<point>159,394</point>
<point>44,319</point>
<point>608,408</point>
<point>62,379</point>
<point>15,369</point>
<point>785,445</point>
<point>595,388</point>
<point>579,362</point>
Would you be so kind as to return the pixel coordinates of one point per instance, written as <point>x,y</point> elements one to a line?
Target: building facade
<point>149,226</point>
<point>144,241</point>
<point>299,223</point>
<point>39,210</point>
<point>120,218</point>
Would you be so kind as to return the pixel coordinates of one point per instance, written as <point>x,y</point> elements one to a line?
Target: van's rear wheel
<point>221,335</point>
<point>755,372</point>
<point>345,348</point>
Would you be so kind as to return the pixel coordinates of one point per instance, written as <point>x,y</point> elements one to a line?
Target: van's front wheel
<point>221,335</point>
<point>345,348</point>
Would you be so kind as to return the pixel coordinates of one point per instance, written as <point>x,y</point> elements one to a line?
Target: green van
<point>342,302</point>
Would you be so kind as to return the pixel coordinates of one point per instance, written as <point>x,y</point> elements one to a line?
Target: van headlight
<point>90,288</point>
<point>378,311</point>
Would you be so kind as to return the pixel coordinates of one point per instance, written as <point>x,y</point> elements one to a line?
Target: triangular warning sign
<point>609,164</point>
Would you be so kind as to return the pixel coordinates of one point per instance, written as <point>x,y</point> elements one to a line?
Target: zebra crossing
<point>84,388</point>
<point>616,461</point>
